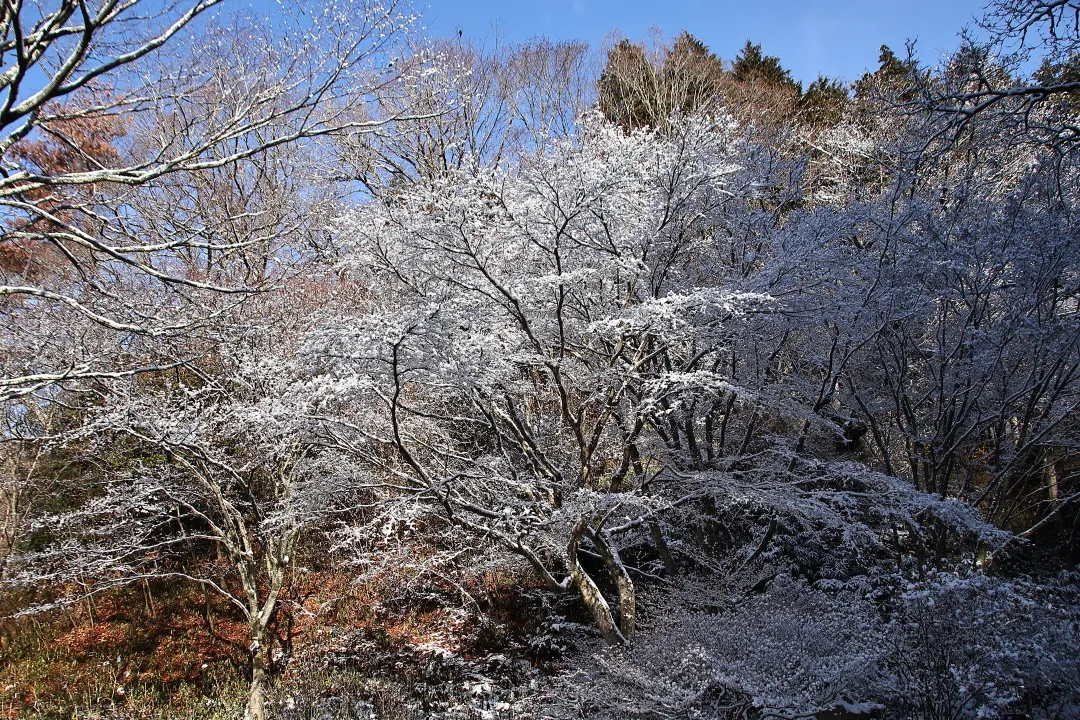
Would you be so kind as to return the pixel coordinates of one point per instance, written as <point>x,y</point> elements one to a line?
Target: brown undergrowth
<point>172,650</point>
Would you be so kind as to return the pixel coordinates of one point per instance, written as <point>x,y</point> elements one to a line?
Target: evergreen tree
<point>823,102</point>
<point>693,73</point>
<point>751,65</point>
<point>626,84</point>
<point>894,77</point>
<point>1057,74</point>
<point>638,91</point>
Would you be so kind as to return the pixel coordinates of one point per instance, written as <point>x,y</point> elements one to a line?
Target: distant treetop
<point>751,65</point>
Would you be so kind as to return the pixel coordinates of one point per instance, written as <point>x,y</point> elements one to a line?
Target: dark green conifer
<point>752,65</point>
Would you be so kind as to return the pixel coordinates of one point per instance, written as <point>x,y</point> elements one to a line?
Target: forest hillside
<point>350,372</point>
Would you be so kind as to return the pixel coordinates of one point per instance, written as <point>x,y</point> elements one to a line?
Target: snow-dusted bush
<point>790,650</point>
<point>978,647</point>
<point>953,646</point>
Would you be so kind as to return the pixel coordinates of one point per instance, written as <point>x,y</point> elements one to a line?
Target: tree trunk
<point>670,567</point>
<point>623,583</point>
<point>256,707</point>
<point>590,593</point>
<point>8,520</point>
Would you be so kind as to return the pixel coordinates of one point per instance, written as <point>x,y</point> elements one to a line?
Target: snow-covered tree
<point>559,355</point>
<point>210,474</point>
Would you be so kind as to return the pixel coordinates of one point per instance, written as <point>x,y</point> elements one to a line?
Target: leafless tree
<point>459,104</point>
<point>228,473</point>
<point>169,93</point>
<point>989,76</point>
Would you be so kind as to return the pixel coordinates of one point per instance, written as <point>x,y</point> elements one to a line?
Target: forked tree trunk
<point>259,618</point>
<point>623,584</point>
<point>589,592</point>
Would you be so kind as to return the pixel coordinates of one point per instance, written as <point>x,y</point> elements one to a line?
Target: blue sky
<point>839,38</point>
